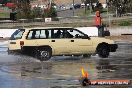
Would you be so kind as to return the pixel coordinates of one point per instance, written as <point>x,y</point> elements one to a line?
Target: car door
<point>50,37</point>
<point>79,44</point>
<point>59,43</point>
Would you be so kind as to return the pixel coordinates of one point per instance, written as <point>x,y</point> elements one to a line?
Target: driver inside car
<point>67,34</point>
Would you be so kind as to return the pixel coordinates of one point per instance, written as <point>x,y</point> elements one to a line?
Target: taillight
<point>21,43</point>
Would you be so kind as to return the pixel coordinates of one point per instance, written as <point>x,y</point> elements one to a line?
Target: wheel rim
<point>44,54</point>
<point>104,52</point>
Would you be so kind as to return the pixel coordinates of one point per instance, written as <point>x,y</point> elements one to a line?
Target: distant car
<point>45,42</point>
<point>83,5</point>
<point>68,7</point>
<point>129,14</point>
<point>62,7</point>
<point>76,6</point>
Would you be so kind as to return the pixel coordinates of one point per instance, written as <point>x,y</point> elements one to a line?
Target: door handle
<point>72,40</point>
<point>52,40</point>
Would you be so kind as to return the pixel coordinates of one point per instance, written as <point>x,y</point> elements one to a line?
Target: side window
<point>62,33</point>
<point>67,33</point>
<point>57,33</point>
<point>45,34</point>
<point>42,34</point>
<point>75,33</point>
<point>49,34</point>
<point>17,34</point>
<point>30,35</point>
<point>39,34</point>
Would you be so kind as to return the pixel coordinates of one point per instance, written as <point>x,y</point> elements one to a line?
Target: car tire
<point>43,54</point>
<point>103,51</point>
<point>86,55</point>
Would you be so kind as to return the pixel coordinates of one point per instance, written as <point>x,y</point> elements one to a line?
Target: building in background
<point>102,1</point>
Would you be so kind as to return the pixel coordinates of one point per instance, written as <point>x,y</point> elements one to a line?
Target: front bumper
<point>113,47</point>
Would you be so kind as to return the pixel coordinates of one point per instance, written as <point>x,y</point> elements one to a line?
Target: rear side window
<point>17,34</point>
<point>39,34</point>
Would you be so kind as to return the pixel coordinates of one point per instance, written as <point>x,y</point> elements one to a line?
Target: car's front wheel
<point>43,54</point>
<point>103,51</point>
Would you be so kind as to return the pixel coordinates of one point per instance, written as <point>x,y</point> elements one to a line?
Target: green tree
<point>91,6</point>
<point>36,12</point>
<point>119,6</point>
<point>51,12</point>
<point>23,8</point>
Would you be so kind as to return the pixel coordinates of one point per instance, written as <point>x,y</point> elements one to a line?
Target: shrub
<point>50,12</point>
<point>125,23</point>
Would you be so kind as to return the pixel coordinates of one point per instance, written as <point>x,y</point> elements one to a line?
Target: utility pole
<point>108,13</point>
<point>85,6</point>
<point>90,4</point>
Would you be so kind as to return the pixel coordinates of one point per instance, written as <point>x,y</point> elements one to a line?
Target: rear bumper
<point>13,51</point>
<point>113,47</point>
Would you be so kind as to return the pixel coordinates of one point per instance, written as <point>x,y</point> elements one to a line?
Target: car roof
<point>34,28</point>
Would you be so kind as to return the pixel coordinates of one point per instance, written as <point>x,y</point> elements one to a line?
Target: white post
<point>50,2</point>
<point>116,12</point>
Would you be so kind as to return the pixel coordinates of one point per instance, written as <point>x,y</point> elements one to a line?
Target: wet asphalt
<point>20,71</point>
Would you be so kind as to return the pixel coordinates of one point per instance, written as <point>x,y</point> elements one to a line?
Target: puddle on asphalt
<point>68,72</point>
<point>50,69</point>
<point>65,71</point>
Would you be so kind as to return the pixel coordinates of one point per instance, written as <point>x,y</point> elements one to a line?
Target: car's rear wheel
<point>103,51</point>
<point>43,54</point>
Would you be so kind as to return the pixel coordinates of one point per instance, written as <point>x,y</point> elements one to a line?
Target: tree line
<point>23,8</point>
<point>118,7</point>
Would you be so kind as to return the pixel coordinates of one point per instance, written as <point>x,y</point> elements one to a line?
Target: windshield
<point>17,34</point>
